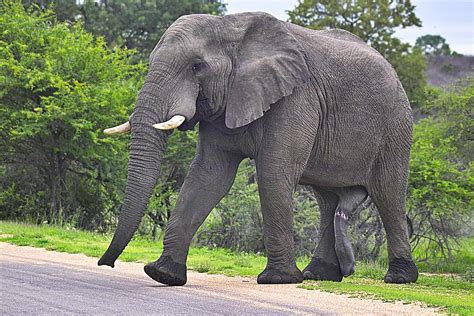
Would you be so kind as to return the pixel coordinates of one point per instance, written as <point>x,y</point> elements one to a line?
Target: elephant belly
<point>327,177</point>
<point>345,161</point>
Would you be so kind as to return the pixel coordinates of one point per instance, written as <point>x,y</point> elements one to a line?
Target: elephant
<point>314,107</point>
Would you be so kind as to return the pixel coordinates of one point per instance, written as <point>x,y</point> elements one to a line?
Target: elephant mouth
<point>205,110</point>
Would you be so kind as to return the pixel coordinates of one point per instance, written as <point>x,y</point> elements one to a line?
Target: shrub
<point>441,182</point>
<point>59,88</point>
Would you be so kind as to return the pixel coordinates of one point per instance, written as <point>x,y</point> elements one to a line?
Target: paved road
<point>46,288</point>
<point>35,281</point>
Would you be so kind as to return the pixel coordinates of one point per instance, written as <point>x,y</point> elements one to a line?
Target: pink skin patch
<point>342,215</point>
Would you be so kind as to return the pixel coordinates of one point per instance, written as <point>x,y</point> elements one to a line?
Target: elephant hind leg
<point>388,192</point>
<point>324,264</point>
<point>334,257</point>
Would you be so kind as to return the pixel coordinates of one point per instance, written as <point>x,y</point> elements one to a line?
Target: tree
<point>59,88</point>
<point>135,24</point>
<point>64,10</point>
<point>375,22</point>
<point>139,24</point>
<point>434,45</point>
<point>411,70</point>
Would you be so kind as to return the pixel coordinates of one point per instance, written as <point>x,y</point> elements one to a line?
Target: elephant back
<point>342,35</point>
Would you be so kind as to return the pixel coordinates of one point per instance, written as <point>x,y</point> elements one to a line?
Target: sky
<point>452,19</point>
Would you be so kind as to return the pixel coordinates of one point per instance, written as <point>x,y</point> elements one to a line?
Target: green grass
<point>449,292</point>
<point>216,261</point>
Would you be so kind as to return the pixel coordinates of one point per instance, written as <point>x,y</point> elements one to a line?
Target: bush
<point>236,222</point>
<point>366,232</point>
<point>59,88</point>
<point>441,184</point>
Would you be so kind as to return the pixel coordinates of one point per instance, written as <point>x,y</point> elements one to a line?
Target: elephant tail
<point>410,226</point>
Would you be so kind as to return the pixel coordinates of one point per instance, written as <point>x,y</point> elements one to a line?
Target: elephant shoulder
<point>342,35</point>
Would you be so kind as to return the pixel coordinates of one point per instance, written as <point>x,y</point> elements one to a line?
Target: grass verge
<point>215,261</point>
<point>449,292</point>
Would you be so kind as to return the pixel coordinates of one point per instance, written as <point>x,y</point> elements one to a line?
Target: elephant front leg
<point>207,182</point>
<point>276,200</point>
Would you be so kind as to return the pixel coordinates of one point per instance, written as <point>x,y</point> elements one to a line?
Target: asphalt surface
<point>35,281</point>
<point>46,288</point>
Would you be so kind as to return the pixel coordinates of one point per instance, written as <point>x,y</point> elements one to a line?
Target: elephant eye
<point>197,67</point>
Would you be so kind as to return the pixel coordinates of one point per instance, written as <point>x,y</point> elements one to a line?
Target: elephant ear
<point>269,64</point>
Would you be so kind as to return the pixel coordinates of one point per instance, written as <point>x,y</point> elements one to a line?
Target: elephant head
<point>203,68</point>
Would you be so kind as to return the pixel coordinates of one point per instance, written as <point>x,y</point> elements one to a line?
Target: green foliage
<point>139,25</point>
<point>134,24</point>
<point>236,222</point>
<point>64,10</point>
<point>411,70</point>
<point>434,45</point>
<point>305,222</point>
<point>366,233</point>
<point>59,87</point>
<point>441,183</point>
<point>462,263</point>
<point>456,109</point>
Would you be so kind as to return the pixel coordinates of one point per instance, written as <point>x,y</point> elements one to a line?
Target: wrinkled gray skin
<point>319,108</point>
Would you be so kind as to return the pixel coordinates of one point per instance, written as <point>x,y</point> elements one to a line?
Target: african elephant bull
<point>320,108</point>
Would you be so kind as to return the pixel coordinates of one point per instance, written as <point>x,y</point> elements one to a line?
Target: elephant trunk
<point>147,146</point>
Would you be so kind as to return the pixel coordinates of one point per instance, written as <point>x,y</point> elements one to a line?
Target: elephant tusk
<point>174,122</point>
<point>125,127</point>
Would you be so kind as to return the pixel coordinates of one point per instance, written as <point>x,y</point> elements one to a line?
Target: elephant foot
<point>166,271</point>
<point>321,270</point>
<point>277,276</point>
<point>401,271</point>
